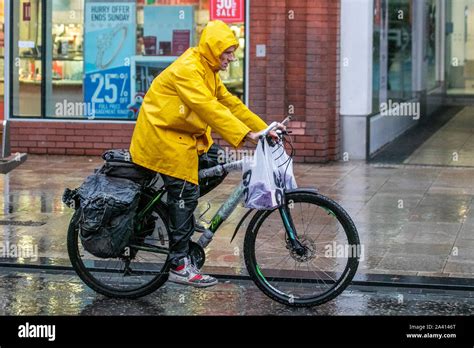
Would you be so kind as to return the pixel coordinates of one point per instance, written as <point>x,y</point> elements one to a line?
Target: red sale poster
<point>229,11</point>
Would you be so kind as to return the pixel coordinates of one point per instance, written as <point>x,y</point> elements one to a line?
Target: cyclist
<point>184,103</point>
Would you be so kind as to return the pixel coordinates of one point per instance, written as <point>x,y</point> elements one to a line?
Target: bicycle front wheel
<point>142,269</point>
<point>317,272</point>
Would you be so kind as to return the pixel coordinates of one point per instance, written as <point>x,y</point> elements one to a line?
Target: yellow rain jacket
<point>184,103</point>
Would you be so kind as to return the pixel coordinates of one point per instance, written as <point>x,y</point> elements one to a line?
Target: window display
<point>107,53</point>
<point>431,13</point>
<point>460,47</point>
<point>392,55</point>
<point>27,54</point>
<point>399,49</point>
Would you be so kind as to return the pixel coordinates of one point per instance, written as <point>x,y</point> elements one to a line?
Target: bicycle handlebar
<point>221,169</point>
<point>273,125</point>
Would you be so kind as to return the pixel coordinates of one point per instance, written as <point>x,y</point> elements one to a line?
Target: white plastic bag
<point>261,179</point>
<point>285,167</point>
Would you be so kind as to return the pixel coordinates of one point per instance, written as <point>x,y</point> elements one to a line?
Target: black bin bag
<point>108,206</point>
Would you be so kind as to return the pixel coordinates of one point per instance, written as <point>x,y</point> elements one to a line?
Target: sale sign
<point>109,42</point>
<point>229,11</point>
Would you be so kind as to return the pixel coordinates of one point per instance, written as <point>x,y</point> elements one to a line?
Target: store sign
<point>110,41</point>
<point>27,11</point>
<point>229,11</point>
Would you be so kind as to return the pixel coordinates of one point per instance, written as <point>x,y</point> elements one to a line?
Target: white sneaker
<point>188,274</point>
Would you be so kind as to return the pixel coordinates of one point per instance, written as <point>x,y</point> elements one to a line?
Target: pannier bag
<point>118,164</point>
<point>108,206</point>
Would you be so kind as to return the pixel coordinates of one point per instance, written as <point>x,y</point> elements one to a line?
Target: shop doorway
<point>444,136</point>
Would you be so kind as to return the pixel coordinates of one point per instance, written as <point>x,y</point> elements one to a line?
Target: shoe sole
<point>196,285</point>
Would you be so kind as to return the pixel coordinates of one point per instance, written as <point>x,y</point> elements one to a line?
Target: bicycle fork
<point>291,230</point>
<point>229,206</point>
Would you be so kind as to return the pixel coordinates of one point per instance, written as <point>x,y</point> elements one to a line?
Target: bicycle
<point>303,253</point>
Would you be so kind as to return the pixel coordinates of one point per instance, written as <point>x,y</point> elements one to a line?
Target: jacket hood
<point>215,39</point>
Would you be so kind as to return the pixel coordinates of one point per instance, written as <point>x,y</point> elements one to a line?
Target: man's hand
<point>254,136</point>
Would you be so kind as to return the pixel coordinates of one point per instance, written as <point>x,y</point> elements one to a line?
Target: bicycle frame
<point>228,207</point>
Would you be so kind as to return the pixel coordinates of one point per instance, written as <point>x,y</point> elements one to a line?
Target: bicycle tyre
<point>263,283</point>
<point>73,242</point>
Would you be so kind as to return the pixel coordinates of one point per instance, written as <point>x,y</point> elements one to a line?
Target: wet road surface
<point>27,292</point>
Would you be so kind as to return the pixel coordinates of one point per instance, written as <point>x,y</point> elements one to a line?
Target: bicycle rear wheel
<point>315,276</point>
<point>142,269</point>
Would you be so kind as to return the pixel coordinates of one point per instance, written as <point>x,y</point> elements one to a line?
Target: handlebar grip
<point>273,125</point>
<point>210,172</point>
<point>220,169</point>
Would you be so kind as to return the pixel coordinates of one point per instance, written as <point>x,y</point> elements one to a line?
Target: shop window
<point>399,85</point>
<point>101,57</point>
<point>432,12</point>
<point>27,58</point>
<point>378,22</point>
<point>460,47</point>
<point>166,28</point>
<point>65,60</point>
<point>392,67</point>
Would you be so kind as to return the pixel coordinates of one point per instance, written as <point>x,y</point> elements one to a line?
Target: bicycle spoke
<point>115,276</point>
<point>308,275</point>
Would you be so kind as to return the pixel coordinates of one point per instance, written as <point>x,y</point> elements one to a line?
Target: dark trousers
<point>182,201</point>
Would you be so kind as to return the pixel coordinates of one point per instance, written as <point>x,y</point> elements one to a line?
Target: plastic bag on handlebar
<point>261,179</point>
<point>285,167</point>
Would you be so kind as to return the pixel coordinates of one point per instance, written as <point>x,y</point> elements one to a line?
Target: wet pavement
<point>63,293</point>
<point>452,145</point>
<point>412,220</point>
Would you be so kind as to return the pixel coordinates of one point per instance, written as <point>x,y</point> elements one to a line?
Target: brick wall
<point>299,75</point>
<point>61,138</point>
<point>300,72</point>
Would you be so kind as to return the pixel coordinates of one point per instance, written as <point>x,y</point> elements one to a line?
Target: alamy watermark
<point>404,109</point>
<point>74,109</point>
<point>335,250</point>
<point>27,251</point>
<point>28,330</point>
<point>231,155</point>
